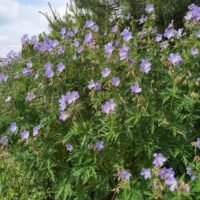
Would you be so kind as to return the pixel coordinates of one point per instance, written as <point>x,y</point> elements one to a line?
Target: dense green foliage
<point>163,117</point>
<point>166,10</point>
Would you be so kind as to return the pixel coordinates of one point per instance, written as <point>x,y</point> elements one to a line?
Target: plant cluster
<point>85,115</point>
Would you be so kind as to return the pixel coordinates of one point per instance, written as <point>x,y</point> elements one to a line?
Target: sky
<point>19,17</point>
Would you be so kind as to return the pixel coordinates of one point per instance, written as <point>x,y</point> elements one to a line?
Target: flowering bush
<point>114,116</point>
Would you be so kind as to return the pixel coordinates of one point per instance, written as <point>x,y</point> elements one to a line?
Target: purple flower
<point>98,86</point>
<point>165,173</point>
<point>145,66</point>
<point>158,38</point>
<point>80,49</point>
<point>36,130</point>
<point>30,96</point>
<point>88,38</point>
<point>64,115</point>
<point>115,81</point>
<point>175,58</point>
<point>33,40</point>
<point>194,51</point>
<point>136,88</point>
<point>159,159</point>
<point>76,43</point>
<point>24,134</point>
<point>197,34</point>
<point>109,49</point>
<point>170,32</point>
<point>108,106</point>
<point>146,172</point>
<point>29,64</point>
<point>114,29</point>
<point>69,34</point>
<point>123,52</point>
<point>49,73</point>
<point>193,14</point>
<point>24,39</point>
<point>99,145</point>
<point>95,28</point>
<point>36,75</point>
<point>71,97</point>
<point>127,35</point>
<point>8,98</point>
<point>179,33</point>
<point>4,140</point>
<point>190,173</point>
<point>13,127</point>
<point>3,77</point>
<point>61,50</point>
<point>142,19</point>
<point>69,147</point>
<point>172,182</point>
<point>62,102</point>
<point>95,85</point>
<point>63,31</point>
<point>26,71</point>
<point>89,23</point>
<point>124,175</point>
<point>197,145</point>
<point>60,67</point>
<point>149,8</point>
<point>106,72</point>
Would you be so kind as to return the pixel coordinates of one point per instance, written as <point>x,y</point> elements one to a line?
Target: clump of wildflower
<point>108,106</point>
<point>145,66</point>
<point>69,147</point>
<point>175,58</point>
<point>99,145</point>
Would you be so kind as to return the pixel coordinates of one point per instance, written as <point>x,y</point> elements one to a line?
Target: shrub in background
<point>85,115</point>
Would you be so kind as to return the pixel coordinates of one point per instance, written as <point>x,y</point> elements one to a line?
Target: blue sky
<point>19,17</point>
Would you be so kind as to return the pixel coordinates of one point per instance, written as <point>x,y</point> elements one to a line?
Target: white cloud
<point>17,19</point>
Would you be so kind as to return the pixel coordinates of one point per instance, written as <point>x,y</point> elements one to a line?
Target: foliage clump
<point>85,115</point>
